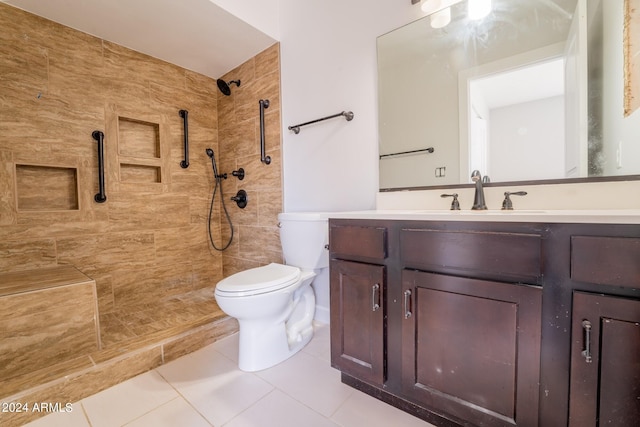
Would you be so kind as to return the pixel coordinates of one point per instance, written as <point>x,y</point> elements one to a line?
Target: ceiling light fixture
<point>478,9</point>
<point>431,6</point>
<point>440,18</point>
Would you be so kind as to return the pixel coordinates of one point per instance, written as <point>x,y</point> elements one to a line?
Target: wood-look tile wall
<point>256,241</point>
<point>149,240</point>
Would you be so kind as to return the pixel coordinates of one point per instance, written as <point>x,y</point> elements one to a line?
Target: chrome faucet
<point>478,199</point>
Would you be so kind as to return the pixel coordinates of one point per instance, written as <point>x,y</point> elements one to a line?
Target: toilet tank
<point>304,237</point>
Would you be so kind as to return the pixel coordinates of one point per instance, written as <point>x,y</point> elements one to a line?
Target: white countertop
<point>624,216</point>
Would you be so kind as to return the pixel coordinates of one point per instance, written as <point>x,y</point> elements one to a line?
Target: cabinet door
<point>471,348</point>
<point>357,320</point>
<point>605,361</point>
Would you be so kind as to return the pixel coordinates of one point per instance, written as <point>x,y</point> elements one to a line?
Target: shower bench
<point>47,316</point>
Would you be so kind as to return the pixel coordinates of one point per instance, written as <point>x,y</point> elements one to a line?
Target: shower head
<point>224,86</point>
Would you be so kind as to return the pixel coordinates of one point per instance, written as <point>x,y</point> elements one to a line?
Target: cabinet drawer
<point>509,256</point>
<point>358,242</point>
<point>606,260</point>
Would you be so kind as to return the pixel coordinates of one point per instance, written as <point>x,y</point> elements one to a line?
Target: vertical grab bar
<point>264,103</point>
<point>184,114</point>
<point>99,137</point>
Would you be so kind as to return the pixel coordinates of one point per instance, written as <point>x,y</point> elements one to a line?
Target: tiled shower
<point>145,251</point>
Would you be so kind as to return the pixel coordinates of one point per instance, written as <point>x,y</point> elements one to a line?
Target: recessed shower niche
<point>140,153</point>
<point>46,188</point>
<point>137,138</point>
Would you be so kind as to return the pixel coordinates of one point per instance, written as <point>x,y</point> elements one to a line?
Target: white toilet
<point>275,304</point>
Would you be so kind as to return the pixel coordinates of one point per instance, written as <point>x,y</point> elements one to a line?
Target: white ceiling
<point>194,34</point>
<point>525,84</point>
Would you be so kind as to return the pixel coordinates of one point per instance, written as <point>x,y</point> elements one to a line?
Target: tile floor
<point>206,388</point>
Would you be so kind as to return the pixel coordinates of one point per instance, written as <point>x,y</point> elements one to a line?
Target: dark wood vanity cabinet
<point>357,320</point>
<point>471,348</point>
<point>605,345</point>
<point>358,303</point>
<point>483,324</point>
<point>605,361</point>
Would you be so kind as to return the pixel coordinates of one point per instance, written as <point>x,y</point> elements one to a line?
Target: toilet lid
<point>260,279</point>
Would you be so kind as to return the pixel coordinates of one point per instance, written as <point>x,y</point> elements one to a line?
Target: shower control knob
<point>239,173</point>
<point>241,199</point>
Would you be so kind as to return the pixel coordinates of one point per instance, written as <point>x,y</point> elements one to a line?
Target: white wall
<point>260,14</point>
<point>328,59</point>
<point>328,62</point>
<point>527,141</point>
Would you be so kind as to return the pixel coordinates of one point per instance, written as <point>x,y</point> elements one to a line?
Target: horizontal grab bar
<point>347,115</point>
<point>429,150</point>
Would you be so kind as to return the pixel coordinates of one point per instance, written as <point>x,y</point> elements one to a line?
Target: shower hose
<point>218,179</point>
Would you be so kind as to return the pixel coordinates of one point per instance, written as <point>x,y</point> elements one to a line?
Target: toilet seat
<point>259,280</point>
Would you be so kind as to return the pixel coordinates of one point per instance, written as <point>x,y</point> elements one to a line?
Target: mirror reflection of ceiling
<point>438,90</point>
<point>471,43</point>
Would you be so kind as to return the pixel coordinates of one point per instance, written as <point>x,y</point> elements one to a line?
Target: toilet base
<point>264,345</point>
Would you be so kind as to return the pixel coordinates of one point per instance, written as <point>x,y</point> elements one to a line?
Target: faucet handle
<point>455,205</point>
<point>507,204</point>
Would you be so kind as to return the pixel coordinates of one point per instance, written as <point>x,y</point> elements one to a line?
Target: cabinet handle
<point>407,304</point>
<point>375,297</point>
<point>586,353</point>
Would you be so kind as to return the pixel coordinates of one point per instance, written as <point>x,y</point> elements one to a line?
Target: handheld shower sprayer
<point>218,180</point>
<point>209,152</point>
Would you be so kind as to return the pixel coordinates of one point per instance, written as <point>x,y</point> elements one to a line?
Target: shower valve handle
<point>241,199</point>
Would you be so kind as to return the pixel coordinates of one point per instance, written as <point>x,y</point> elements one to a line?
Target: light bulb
<point>478,9</point>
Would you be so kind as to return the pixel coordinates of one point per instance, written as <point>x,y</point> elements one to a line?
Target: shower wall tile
<point>135,287</point>
<point>257,240</point>
<point>269,206</point>
<point>268,61</point>
<point>249,131</point>
<point>7,195</point>
<point>27,254</point>
<point>263,176</point>
<point>130,211</point>
<point>272,123</point>
<point>147,243</point>
<point>234,265</point>
<point>260,244</point>
<point>121,63</point>
<point>134,250</point>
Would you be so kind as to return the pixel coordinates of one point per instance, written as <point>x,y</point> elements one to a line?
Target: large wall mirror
<point>529,90</point>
